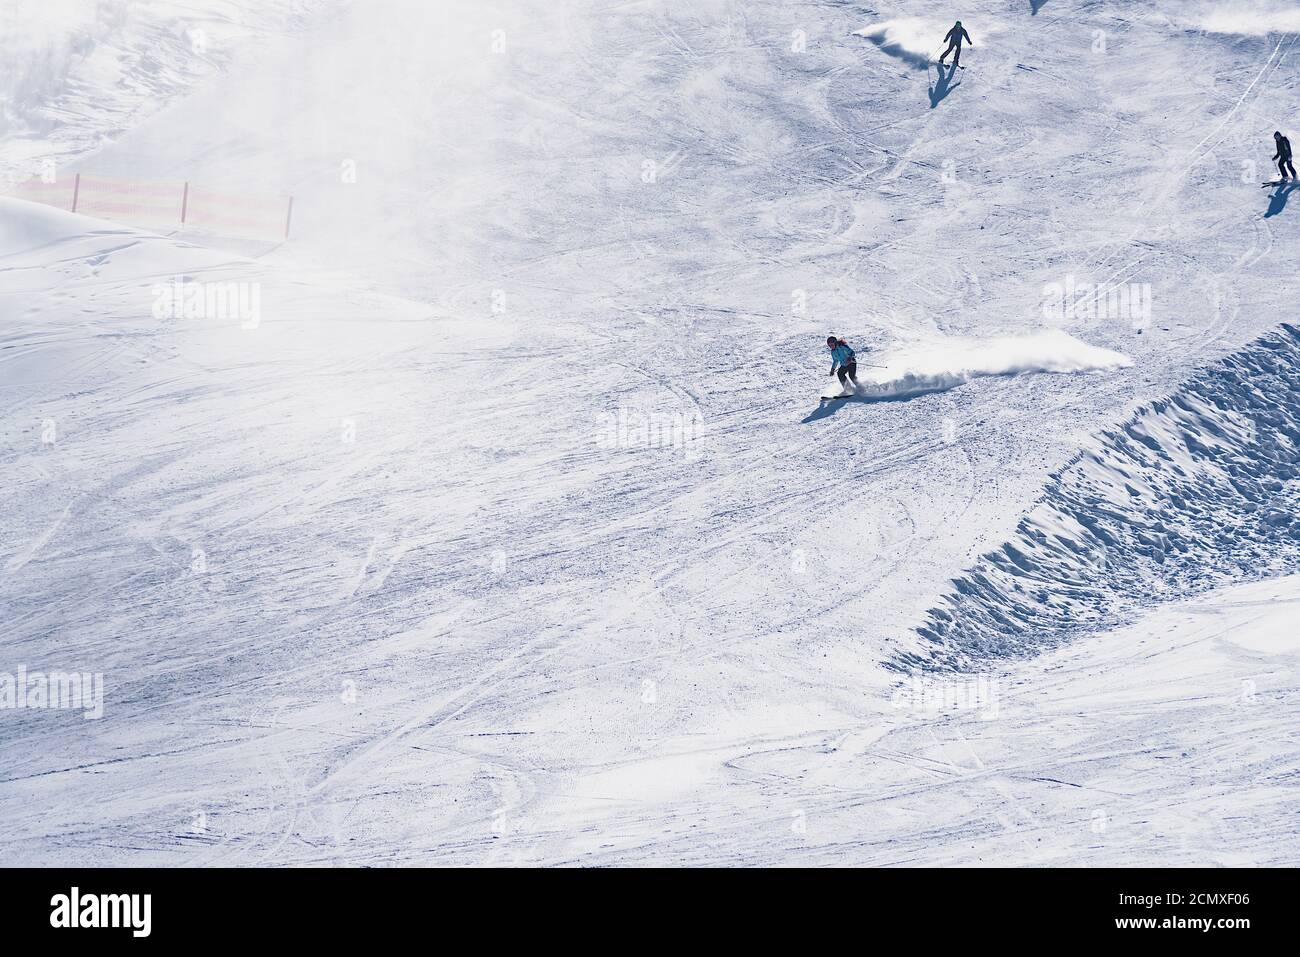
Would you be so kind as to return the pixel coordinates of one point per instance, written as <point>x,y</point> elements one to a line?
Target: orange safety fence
<point>158,204</point>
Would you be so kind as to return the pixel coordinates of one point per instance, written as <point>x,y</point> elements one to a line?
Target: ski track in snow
<point>395,577</point>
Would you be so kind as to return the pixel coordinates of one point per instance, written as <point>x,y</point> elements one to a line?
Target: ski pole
<point>865,365</point>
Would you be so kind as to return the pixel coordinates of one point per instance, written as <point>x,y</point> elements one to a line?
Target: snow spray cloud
<point>948,363</point>
<point>919,41</point>
<point>189,299</point>
<point>1073,300</point>
<point>1240,17</point>
<point>910,39</point>
<point>931,695</point>
<point>44,172</point>
<point>57,690</point>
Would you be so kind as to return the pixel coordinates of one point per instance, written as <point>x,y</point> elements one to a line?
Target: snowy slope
<point>76,74</point>
<point>511,529</point>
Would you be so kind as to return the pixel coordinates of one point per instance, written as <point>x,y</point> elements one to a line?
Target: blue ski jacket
<point>840,355</point>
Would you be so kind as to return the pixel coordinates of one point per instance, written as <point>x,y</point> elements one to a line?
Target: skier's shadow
<point>1035,6</point>
<point>829,407</point>
<point>1280,196</point>
<point>944,85</point>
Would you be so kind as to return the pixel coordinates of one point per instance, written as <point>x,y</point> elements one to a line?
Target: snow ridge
<point>1195,491</point>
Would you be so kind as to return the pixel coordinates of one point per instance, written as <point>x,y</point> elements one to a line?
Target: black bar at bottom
<point>335,908</point>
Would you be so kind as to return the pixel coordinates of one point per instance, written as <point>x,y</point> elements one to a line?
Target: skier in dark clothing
<point>954,38</point>
<point>844,360</point>
<point>1283,156</point>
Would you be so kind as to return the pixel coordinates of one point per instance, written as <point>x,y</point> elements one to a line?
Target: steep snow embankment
<point>1193,492</point>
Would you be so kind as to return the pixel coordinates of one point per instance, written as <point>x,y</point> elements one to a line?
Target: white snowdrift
<point>1244,18</point>
<point>938,366</point>
<point>25,226</point>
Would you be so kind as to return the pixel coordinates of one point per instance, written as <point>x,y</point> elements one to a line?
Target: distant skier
<point>954,37</point>
<point>1283,156</point>
<point>844,361</point>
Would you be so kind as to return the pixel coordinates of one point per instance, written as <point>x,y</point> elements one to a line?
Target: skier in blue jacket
<point>844,360</point>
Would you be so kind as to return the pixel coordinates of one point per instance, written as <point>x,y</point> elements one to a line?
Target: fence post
<point>288,218</point>
<point>76,192</point>
<point>185,201</point>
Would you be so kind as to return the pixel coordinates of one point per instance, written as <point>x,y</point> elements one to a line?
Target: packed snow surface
<point>493,518</point>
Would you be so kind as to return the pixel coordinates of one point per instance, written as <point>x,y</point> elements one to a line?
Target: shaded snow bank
<point>939,366</point>
<point>1193,492</point>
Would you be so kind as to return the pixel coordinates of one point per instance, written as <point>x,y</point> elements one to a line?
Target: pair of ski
<point>1280,182</point>
<point>842,395</point>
